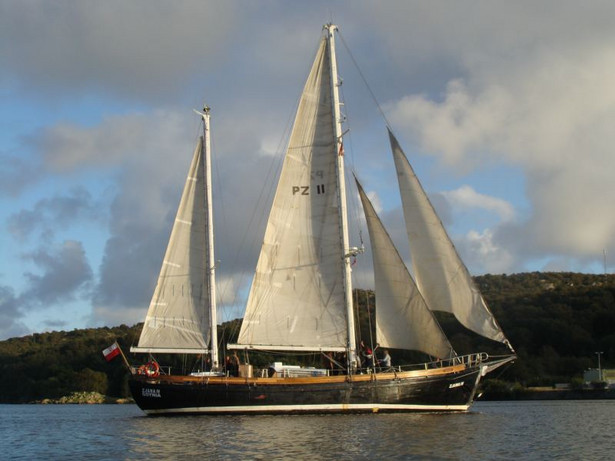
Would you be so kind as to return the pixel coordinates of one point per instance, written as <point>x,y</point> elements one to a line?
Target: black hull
<point>428,390</point>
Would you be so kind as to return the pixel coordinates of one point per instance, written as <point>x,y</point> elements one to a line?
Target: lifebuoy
<point>151,369</point>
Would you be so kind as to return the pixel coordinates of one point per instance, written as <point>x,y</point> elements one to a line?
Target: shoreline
<point>85,398</point>
<point>550,394</point>
<point>94,398</point>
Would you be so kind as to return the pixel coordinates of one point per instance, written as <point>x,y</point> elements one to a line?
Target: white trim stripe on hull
<point>366,407</point>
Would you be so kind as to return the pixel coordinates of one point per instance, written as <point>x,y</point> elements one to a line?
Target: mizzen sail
<point>177,319</point>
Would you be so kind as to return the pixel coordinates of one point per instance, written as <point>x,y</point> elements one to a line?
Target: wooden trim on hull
<point>289,381</point>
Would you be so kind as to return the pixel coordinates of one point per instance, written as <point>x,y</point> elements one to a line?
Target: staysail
<point>441,276</point>
<point>176,320</point>
<point>297,299</point>
<point>403,320</point>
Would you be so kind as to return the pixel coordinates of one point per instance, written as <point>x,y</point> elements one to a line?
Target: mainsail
<point>177,319</point>
<point>297,298</point>
<point>441,276</point>
<point>403,320</point>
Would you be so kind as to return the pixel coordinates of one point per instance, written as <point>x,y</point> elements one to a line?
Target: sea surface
<point>524,430</point>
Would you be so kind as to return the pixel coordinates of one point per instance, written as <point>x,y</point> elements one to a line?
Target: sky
<point>505,109</point>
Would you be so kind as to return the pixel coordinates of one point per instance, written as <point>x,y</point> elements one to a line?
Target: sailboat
<point>300,299</point>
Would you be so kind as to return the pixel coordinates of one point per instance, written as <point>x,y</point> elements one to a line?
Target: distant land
<point>556,322</point>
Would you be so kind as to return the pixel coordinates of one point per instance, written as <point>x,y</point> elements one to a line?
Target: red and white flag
<point>111,352</point>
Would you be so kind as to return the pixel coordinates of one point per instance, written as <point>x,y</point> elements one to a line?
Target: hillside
<point>556,322</point>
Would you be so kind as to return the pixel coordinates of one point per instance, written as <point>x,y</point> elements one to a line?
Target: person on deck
<point>329,363</point>
<point>367,356</point>
<point>234,367</point>
<point>385,361</point>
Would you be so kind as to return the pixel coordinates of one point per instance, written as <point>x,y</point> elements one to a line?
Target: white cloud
<point>466,197</point>
<point>482,253</point>
<point>548,109</point>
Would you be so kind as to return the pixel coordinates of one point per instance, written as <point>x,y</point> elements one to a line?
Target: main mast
<point>209,229</point>
<point>341,187</point>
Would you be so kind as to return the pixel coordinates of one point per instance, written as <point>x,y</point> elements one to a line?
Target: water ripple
<point>491,431</point>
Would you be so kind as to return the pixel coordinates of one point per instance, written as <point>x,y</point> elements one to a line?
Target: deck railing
<point>468,360</point>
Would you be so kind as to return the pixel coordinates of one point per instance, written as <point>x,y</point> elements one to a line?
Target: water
<point>566,430</point>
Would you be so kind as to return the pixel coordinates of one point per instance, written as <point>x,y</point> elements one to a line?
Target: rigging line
<point>269,185</point>
<point>220,199</point>
<point>213,154</point>
<point>265,193</point>
<point>359,275</point>
<point>357,314</point>
<point>354,61</point>
<point>354,207</point>
<point>265,196</point>
<point>371,334</point>
<point>503,369</point>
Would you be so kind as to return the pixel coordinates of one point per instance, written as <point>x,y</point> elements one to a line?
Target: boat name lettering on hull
<point>451,386</point>
<point>148,392</point>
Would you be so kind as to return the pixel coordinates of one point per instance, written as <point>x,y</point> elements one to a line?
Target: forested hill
<point>555,321</point>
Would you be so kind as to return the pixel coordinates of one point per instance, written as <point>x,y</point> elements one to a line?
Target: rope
<point>373,96</point>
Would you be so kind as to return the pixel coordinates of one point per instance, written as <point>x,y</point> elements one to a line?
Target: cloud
<point>151,153</point>
<point>125,141</point>
<point>114,46</point>
<point>481,252</point>
<point>546,107</point>
<point>466,197</point>
<point>147,155</point>
<point>11,324</point>
<point>50,214</point>
<point>65,271</point>
<point>17,174</point>
<point>145,158</point>
<point>501,84</point>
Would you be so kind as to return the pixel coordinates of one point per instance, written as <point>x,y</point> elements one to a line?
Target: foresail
<point>441,276</point>
<point>297,295</point>
<point>177,319</point>
<point>403,320</point>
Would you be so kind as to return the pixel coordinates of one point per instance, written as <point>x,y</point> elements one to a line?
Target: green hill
<point>556,322</point>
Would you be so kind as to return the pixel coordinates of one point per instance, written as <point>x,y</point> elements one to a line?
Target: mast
<point>210,264</point>
<point>341,187</point>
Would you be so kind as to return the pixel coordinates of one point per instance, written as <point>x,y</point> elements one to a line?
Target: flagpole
<point>124,357</point>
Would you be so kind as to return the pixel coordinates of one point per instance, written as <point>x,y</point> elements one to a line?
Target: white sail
<point>441,276</point>
<point>297,298</point>
<point>177,319</point>
<point>403,320</point>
